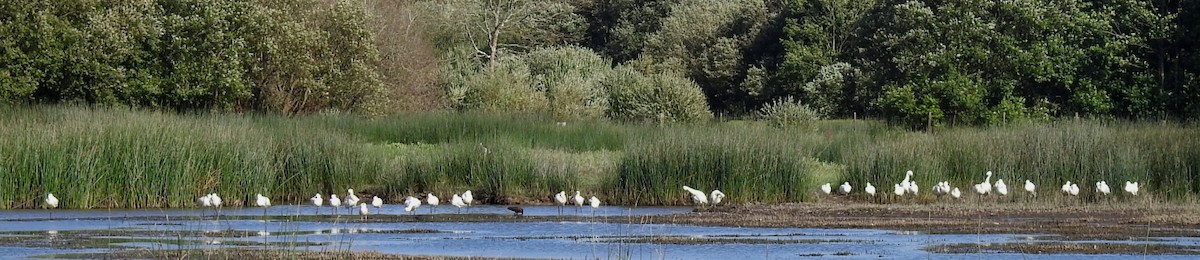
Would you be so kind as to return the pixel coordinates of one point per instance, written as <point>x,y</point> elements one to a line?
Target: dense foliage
<point>908,61</point>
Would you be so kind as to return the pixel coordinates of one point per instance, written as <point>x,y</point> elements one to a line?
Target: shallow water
<point>572,239</point>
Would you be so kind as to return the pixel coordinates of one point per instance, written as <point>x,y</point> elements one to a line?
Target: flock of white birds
<point>907,186</point>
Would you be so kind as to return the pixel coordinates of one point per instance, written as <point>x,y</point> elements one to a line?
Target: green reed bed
<point>96,158</point>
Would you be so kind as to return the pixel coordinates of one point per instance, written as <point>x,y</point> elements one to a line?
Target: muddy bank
<point>1090,222</point>
<point>1066,248</point>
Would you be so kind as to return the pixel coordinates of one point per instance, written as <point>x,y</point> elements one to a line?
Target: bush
<point>787,112</point>
<point>658,98</point>
<point>571,78</point>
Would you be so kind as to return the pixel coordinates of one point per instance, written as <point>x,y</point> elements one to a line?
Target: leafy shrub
<point>659,97</point>
<point>788,112</point>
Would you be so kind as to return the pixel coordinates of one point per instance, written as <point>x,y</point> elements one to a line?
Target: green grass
<point>107,157</point>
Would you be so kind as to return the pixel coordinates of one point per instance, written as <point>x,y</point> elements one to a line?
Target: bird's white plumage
<point>578,199</point>
<point>1029,187</point>
<point>715,197</point>
<point>1001,188</point>
<point>431,200</point>
<point>1074,190</point>
<point>956,193</point>
<point>845,188</point>
<point>351,200</point>
<point>362,209</point>
<point>1131,188</point>
<point>1102,187</point>
<point>261,201</point>
<point>985,187</point>
<point>561,198</point>
<point>51,200</point>
<point>334,201</point>
<point>468,198</point>
<point>411,203</point>
<point>698,196</point>
<point>870,189</point>
<point>825,188</point>
<point>377,202</point>
<point>457,201</point>
<point>898,189</point>
<point>595,202</point>
<point>317,200</point>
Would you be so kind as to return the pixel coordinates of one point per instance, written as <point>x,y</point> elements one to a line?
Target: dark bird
<point>517,211</point>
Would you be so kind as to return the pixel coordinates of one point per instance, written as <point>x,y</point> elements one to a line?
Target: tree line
<point>908,61</point>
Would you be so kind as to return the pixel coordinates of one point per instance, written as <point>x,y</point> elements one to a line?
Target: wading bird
<point>870,189</point>
<point>561,198</point>
<point>51,202</point>
<point>468,198</point>
<point>715,197</point>
<point>1074,190</point>
<point>362,210</point>
<point>578,202</point>
<point>956,193</point>
<point>262,201</point>
<point>595,203</point>
<point>317,201</point>
<point>1131,188</point>
<point>912,187</point>
<point>825,188</point>
<point>457,201</point>
<point>1102,187</point>
<point>1029,187</point>
<point>351,200</point>
<point>377,202</point>
<point>1001,188</point>
<point>433,202</point>
<point>411,204</point>
<point>517,211</point>
<point>985,187</point>
<point>898,189</point>
<point>698,196</point>
<point>845,188</point>
<point>334,202</point>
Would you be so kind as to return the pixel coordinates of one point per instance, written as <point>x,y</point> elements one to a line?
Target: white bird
<point>578,199</point>
<point>334,201</point>
<point>362,210</point>
<point>377,202</point>
<point>956,193</point>
<point>561,198</point>
<point>1030,187</point>
<point>468,198</point>
<point>317,200</point>
<point>205,201</point>
<point>1131,188</point>
<point>1066,188</point>
<point>261,201</point>
<point>698,196</point>
<point>870,189</point>
<point>826,188</point>
<point>1001,187</point>
<point>898,190</point>
<point>941,188</point>
<point>433,202</point>
<point>1074,189</point>
<point>594,202</point>
<point>905,183</point>
<point>845,188</point>
<point>411,204</point>
<point>912,187</point>
<point>457,201</point>
<point>1102,187</point>
<point>216,200</point>
<point>351,200</point>
<point>716,196</point>
<point>984,187</point>
<point>51,200</point>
